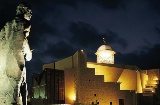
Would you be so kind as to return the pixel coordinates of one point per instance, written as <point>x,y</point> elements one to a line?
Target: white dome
<point>105,54</point>
<point>104,47</point>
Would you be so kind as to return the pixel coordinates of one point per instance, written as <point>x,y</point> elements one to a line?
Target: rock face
<point>14,50</point>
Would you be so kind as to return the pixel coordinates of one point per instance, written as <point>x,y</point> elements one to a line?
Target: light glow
<point>155,78</point>
<point>73,97</point>
<point>105,54</point>
<point>154,82</point>
<point>105,57</point>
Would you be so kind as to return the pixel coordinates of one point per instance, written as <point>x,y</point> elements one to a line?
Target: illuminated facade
<point>90,83</point>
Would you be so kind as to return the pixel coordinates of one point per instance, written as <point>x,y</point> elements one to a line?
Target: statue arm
<point>27,51</point>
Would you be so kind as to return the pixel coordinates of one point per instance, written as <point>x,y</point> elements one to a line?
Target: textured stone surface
<point>87,86</point>
<point>13,48</point>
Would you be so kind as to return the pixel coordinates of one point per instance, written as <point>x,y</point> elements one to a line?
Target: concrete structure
<point>89,83</point>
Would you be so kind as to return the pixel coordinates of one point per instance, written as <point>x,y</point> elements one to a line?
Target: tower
<point>105,54</point>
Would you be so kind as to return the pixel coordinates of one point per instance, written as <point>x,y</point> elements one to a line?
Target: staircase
<point>150,87</point>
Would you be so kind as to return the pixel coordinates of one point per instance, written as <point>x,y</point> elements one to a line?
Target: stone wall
<point>94,88</point>
<point>83,86</point>
<point>153,74</point>
<point>127,77</point>
<point>128,80</point>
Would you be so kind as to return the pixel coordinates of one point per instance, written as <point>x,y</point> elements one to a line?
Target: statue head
<point>24,10</point>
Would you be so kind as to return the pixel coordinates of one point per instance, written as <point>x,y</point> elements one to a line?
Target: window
<point>110,103</point>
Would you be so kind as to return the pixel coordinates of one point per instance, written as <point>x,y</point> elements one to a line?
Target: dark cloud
<point>66,2</point>
<point>40,31</point>
<point>60,50</point>
<point>51,4</point>
<point>155,5</point>
<point>8,11</point>
<point>110,4</point>
<point>107,4</point>
<point>113,37</point>
<point>146,59</point>
<point>85,35</point>
<point>157,29</point>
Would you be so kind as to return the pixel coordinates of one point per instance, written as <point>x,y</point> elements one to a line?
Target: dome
<point>104,47</point>
<point>105,54</point>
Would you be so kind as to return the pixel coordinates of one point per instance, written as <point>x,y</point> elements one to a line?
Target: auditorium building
<point>74,81</point>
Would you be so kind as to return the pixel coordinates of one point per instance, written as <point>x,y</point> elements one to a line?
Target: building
<point>49,87</point>
<point>100,83</point>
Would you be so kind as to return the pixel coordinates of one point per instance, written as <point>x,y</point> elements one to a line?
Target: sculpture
<point>14,49</point>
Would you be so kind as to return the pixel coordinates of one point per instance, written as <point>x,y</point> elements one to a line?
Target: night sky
<point>61,27</point>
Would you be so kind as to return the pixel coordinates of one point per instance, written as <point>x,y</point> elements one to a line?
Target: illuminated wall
<point>86,82</point>
<point>70,93</point>
<point>69,68</point>
<point>153,80</point>
<point>136,79</point>
<point>94,88</point>
<point>128,80</point>
<point>111,74</point>
<point>139,82</point>
<point>144,78</point>
<point>81,83</point>
<point>153,74</point>
<point>114,74</point>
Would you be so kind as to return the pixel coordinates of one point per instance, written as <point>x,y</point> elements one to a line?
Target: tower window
<point>110,103</point>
